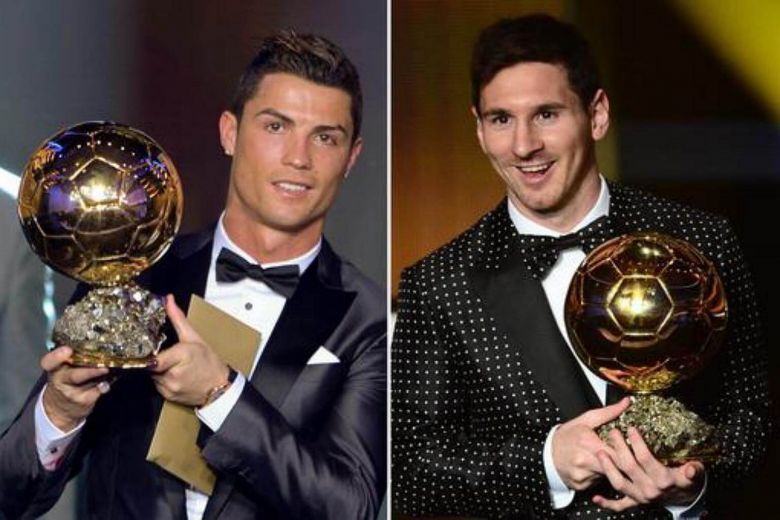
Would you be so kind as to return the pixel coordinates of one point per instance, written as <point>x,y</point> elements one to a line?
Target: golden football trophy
<point>645,311</point>
<point>101,202</point>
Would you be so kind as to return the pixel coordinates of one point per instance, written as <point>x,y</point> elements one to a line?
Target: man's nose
<point>297,153</point>
<point>526,141</point>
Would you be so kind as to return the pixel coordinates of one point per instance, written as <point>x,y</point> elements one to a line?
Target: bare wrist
<point>63,421</point>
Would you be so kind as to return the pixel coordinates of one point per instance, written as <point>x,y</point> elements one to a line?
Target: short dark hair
<point>308,56</point>
<point>534,38</point>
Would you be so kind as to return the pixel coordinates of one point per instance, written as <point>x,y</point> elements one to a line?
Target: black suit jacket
<point>481,372</point>
<point>303,441</point>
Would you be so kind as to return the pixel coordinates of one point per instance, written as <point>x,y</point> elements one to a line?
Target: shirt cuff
<point>560,494</point>
<point>215,413</point>
<point>692,511</point>
<point>51,442</point>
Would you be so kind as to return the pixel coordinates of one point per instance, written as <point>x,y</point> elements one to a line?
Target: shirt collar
<point>526,226</point>
<point>221,239</point>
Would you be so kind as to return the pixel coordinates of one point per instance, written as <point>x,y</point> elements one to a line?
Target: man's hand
<point>642,479</point>
<point>187,371</point>
<point>71,392</point>
<point>575,446</point>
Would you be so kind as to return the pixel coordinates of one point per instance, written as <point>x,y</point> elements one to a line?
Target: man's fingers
<point>628,464</point>
<point>180,353</point>
<point>82,375</point>
<point>179,321</point>
<point>694,470</point>
<point>56,358</point>
<point>166,359</point>
<point>644,456</point>
<point>618,505</point>
<point>617,480</point>
<point>688,474</point>
<point>162,384</point>
<point>595,418</point>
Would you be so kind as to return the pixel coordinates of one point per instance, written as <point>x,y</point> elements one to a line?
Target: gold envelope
<point>174,445</point>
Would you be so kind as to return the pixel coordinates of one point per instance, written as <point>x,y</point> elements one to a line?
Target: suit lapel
<point>190,273</point>
<point>307,320</point>
<point>520,308</point>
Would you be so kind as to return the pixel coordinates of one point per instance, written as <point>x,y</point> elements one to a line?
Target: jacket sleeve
<point>27,489</point>
<point>447,459</point>
<point>334,473</point>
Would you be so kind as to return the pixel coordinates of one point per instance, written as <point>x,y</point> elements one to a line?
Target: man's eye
<point>326,139</point>
<point>274,126</point>
<point>499,120</point>
<point>546,116</point>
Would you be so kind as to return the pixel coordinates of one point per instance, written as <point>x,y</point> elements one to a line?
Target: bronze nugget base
<point>674,434</point>
<point>116,327</point>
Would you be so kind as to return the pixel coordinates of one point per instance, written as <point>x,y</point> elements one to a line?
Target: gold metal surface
<point>645,311</point>
<point>104,361</point>
<point>100,202</point>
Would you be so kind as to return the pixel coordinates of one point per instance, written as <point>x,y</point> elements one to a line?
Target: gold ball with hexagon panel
<point>100,202</point>
<point>646,310</point>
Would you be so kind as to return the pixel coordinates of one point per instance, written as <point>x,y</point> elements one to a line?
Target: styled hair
<point>534,38</point>
<point>307,56</point>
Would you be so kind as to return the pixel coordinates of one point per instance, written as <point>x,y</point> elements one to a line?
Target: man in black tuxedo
<point>493,415</point>
<point>302,435</point>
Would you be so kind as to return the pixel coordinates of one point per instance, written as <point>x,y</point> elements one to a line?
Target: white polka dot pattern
<point>469,418</point>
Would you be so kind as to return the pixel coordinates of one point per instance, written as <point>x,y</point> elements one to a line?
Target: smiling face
<point>540,140</point>
<point>291,150</point>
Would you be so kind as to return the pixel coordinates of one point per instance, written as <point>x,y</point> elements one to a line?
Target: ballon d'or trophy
<point>101,202</point>
<point>645,311</point>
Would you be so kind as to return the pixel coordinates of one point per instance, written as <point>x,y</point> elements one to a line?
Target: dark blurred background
<point>169,68</point>
<point>695,103</point>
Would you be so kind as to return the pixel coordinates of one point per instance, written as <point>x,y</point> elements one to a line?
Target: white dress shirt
<point>250,301</point>
<point>556,285</point>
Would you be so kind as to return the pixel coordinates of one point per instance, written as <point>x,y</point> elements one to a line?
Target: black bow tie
<point>233,268</point>
<point>539,253</point>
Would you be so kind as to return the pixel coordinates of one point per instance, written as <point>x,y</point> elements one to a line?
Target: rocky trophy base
<point>673,433</point>
<point>116,327</point>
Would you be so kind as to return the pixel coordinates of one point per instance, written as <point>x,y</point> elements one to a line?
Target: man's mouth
<point>292,187</point>
<point>538,168</point>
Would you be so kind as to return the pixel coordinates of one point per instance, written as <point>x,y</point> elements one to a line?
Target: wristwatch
<point>216,392</point>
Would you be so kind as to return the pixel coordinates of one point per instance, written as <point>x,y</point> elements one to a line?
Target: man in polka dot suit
<point>492,414</point>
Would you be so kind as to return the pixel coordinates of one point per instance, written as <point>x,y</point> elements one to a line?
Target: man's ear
<point>228,130</point>
<point>599,115</point>
<point>354,152</point>
<point>480,136</point>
